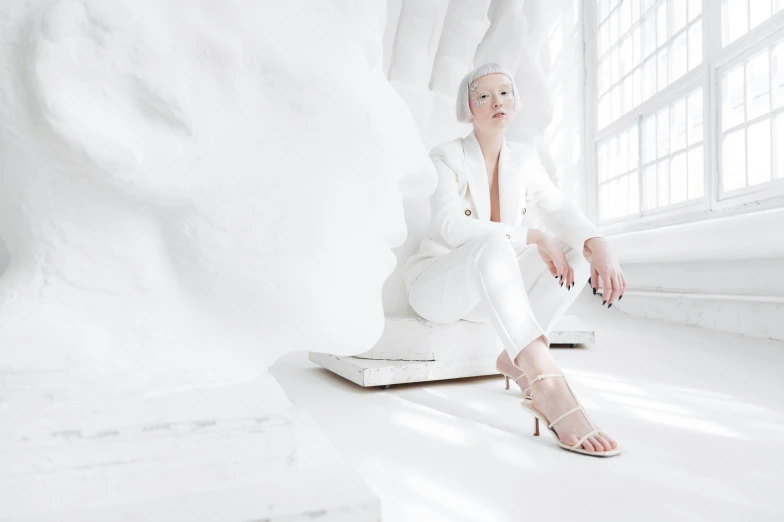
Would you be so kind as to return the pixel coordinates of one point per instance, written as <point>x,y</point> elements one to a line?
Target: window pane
<point>661,69</point>
<point>759,11</point>
<point>650,187</point>
<point>636,87</point>
<point>623,196</point>
<point>601,161</point>
<point>649,36</point>
<point>604,39</point>
<point>649,139</point>
<point>603,197</point>
<point>678,179</point>
<point>678,15</point>
<point>695,8</point>
<point>661,24</point>
<point>603,78</point>
<point>612,156</point>
<point>604,111</point>
<point>678,126</point>
<point>678,56</point>
<point>615,103</point>
<point>634,193</point>
<point>626,56</point>
<point>626,95</point>
<point>695,117</point>
<point>634,146</point>
<point>759,152</point>
<point>663,132</point>
<point>625,15</point>
<point>604,8</point>
<point>778,76</point>
<point>612,192</point>
<point>649,78</point>
<point>623,152</point>
<point>696,173</point>
<point>733,160</point>
<point>695,45</point>
<point>613,57</point>
<point>732,98</point>
<point>757,86</point>
<point>663,182</point>
<point>636,43</point>
<point>613,28</point>
<point>735,20</point>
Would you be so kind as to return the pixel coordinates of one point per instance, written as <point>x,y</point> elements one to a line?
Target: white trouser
<point>486,280</point>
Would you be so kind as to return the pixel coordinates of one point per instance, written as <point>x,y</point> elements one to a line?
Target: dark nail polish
<point>594,291</point>
<point>561,285</point>
<point>609,306</point>
<point>603,302</point>
<point>556,277</point>
<point>620,298</point>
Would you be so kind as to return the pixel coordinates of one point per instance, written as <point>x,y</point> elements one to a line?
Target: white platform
<point>232,453</point>
<point>474,348</point>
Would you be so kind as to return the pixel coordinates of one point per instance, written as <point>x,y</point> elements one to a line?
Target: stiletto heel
<point>507,377</point>
<point>528,404</point>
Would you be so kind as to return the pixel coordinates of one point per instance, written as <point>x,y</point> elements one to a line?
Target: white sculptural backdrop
<point>508,32</point>
<point>194,189</point>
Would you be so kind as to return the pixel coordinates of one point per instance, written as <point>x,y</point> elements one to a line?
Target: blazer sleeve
<point>559,214</point>
<point>448,223</point>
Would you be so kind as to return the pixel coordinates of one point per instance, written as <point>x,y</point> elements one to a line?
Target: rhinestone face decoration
<point>474,87</point>
<point>479,102</point>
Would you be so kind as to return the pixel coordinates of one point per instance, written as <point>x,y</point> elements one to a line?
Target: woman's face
<point>492,101</point>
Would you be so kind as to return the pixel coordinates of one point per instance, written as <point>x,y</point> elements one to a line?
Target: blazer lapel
<point>476,173</point>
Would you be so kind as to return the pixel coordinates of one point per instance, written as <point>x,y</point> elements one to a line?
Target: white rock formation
<point>188,190</point>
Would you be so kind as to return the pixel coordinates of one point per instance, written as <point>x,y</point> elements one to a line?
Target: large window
<point>660,66</point>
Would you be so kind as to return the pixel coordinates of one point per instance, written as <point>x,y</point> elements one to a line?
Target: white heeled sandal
<point>528,404</point>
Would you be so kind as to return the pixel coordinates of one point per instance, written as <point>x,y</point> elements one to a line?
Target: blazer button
<point>468,212</point>
<point>522,212</point>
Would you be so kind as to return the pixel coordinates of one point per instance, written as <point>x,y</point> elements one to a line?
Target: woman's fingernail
<point>620,298</point>
<point>610,306</point>
<point>594,291</point>
<point>603,302</point>
<point>561,285</point>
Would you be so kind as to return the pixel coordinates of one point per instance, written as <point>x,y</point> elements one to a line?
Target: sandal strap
<point>545,375</point>
<point>578,408</point>
<point>538,378</point>
<point>580,442</point>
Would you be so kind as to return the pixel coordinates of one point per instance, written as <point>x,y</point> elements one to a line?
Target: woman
<point>482,261</point>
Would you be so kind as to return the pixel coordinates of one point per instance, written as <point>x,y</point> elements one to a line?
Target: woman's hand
<point>605,269</point>
<point>554,258</point>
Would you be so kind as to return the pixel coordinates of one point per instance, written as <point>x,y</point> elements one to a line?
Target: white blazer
<point>460,205</point>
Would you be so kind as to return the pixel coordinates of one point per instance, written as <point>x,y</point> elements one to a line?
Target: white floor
<point>701,414</point>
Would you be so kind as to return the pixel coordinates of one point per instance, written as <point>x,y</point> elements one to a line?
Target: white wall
<point>4,259</point>
<point>565,135</point>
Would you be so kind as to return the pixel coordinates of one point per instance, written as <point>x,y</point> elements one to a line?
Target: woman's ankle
<point>536,359</point>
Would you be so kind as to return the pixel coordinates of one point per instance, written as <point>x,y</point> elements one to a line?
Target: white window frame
<point>715,60</point>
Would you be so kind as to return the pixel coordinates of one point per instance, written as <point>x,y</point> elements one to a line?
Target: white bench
<point>413,349</point>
